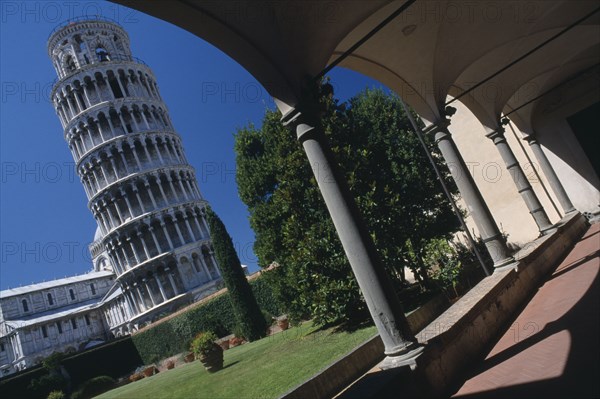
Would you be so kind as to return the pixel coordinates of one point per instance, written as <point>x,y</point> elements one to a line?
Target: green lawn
<point>263,369</point>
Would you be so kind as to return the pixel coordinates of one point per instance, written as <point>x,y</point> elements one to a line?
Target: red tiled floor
<point>551,349</point>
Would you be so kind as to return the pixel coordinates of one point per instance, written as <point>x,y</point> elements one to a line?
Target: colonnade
<point>155,235</point>
<point>140,195</point>
<point>80,93</point>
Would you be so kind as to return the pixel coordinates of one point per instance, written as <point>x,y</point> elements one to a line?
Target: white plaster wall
<point>554,134</point>
<point>495,182</point>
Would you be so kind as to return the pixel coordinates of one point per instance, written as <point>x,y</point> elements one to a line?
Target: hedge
<point>175,335</point>
<point>118,358</point>
<point>115,359</point>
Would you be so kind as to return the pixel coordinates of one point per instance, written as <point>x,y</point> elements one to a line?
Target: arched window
<point>25,305</point>
<point>70,64</point>
<point>102,54</point>
<point>72,294</point>
<point>50,299</point>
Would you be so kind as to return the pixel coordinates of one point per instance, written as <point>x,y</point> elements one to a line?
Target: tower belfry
<point>141,190</point>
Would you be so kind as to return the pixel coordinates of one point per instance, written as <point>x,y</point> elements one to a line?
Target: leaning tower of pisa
<point>152,232</point>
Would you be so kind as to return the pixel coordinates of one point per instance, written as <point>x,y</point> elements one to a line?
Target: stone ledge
<point>344,371</point>
<point>461,335</point>
<point>455,339</point>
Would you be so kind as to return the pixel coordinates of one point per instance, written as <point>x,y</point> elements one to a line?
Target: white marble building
<point>152,250</point>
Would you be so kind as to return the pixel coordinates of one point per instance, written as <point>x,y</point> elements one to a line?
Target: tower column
<point>157,245</point>
<point>99,127</point>
<point>129,207</point>
<point>135,253</point>
<point>122,154</point>
<point>137,195</point>
<point>145,281</point>
<point>172,281</point>
<point>155,144</point>
<point>114,166</point>
<point>161,289</point>
<point>141,238</point>
<point>198,225</point>
<point>176,224</point>
<point>111,126</point>
<point>166,233</point>
<point>142,303</point>
<point>173,188</point>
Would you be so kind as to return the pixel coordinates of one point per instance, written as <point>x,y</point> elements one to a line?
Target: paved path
<point>551,350</point>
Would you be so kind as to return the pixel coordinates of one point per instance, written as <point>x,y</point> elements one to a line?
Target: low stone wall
<point>462,334</point>
<point>457,338</point>
<point>343,372</point>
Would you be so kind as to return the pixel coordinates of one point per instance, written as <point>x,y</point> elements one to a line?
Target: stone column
<point>141,303</point>
<point>476,206</point>
<point>135,155</point>
<point>159,182</point>
<point>138,197</point>
<point>135,254</point>
<point>149,292</point>
<point>177,229</point>
<point>166,232</point>
<point>190,230</point>
<point>123,158</point>
<point>110,125</point>
<point>524,188</point>
<point>160,288</point>
<point>145,146</point>
<point>114,166</point>
<point>155,143</point>
<point>557,187</point>
<point>141,238</point>
<point>198,225</point>
<point>156,243</point>
<point>400,344</point>
<point>172,281</point>
<point>204,267</point>
<point>150,194</point>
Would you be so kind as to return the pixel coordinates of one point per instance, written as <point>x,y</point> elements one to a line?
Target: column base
<point>504,264</point>
<point>548,230</point>
<point>408,357</point>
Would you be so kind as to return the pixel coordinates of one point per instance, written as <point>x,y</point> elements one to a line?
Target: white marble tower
<point>141,190</point>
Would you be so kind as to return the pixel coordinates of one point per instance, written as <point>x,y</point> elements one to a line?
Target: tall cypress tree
<point>248,315</point>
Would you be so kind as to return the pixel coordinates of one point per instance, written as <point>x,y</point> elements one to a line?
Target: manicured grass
<point>262,369</point>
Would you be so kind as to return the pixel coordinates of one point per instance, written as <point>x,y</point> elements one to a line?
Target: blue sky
<point>45,226</point>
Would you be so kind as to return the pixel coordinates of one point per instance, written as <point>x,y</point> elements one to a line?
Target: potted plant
<point>209,353</point>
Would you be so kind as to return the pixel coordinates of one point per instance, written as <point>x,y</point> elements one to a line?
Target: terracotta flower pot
<point>212,360</point>
<point>150,371</point>
<point>224,344</point>
<point>235,341</point>
<point>190,357</point>
<point>284,324</point>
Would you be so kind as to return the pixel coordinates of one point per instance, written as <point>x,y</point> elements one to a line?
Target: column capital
<point>497,135</point>
<point>439,126</point>
<point>530,139</point>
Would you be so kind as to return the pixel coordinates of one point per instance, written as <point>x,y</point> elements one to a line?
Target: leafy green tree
<point>388,174</point>
<point>248,315</point>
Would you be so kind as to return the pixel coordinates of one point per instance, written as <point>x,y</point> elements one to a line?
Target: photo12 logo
<point>59,11</point>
